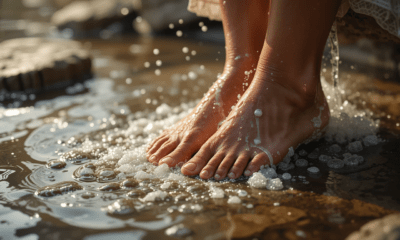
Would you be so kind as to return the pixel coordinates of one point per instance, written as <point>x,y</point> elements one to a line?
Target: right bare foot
<point>181,141</point>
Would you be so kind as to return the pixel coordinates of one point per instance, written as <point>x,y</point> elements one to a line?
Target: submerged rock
<point>121,207</point>
<point>301,163</point>
<point>336,163</point>
<point>370,140</point>
<point>58,189</point>
<point>129,183</point>
<point>355,147</point>
<point>109,187</point>
<point>178,231</point>
<point>56,164</point>
<point>387,228</point>
<point>313,170</point>
<point>324,158</point>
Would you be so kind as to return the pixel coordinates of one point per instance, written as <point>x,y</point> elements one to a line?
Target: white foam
<point>154,196</point>
<point>216,192</point>
<point>257,180</point>
<point>274,184</point>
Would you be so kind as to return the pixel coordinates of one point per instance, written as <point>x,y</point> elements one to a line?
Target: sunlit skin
<point>244,40</point>
<point>286,88</point>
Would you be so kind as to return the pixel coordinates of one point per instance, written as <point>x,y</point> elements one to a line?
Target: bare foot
<point>270,118</point>
<point>180,142</point>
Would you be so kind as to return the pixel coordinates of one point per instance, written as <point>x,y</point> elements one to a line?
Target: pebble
<point>121,207</point>
<point>335,148</point>
<point>351,161</point>
<point>242,193</point>
<point>178,231</point>
<point>286,176</point>
<point>303,153</point>
<point>234,200</point>
<point>370,140</point>
<point>285,166</point>
<point>336,163</point>
<point>313,170</point>
<point>301,163</point>
<point>324,158</point>
<point>56,164</point>
<point>109,187</point>
<point>355,147</point>
<point>58,189</point>
<point>129,184</point>
<point>268,172</point>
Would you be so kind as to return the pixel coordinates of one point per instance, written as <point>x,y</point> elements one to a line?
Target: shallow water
<point>88,131</point>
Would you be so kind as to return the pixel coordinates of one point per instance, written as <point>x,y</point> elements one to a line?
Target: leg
<point>286,92</point>
<point>244,35</point>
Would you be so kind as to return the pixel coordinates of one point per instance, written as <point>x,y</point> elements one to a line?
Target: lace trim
<point>206,8</point>
<point>385,12</point>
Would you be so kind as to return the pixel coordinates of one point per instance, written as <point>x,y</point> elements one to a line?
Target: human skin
<point>286,89</point>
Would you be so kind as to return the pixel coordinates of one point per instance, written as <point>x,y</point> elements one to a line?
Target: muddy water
<point>42,139</point>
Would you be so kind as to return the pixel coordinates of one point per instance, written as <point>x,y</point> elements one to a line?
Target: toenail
<point>190,166</point>
<point>247,173</point>
<point>217,176</point>
<point>231,175</point>
<point>152,158</point>
<point>166,160</point>
<point>204,173</point>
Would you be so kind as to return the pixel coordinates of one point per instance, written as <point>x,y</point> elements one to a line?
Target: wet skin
<point>286,88</point>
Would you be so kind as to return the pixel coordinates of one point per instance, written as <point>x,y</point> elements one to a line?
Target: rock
<point>104,17</point>
<point>313,170</point>
<point>351,161</point>
<point>33,63</point>
<point>178,231</point>
<point>285,166</point>
<point>301,163</point>
<point>109,187</point>
<point>246,225</point>
<point>336,163</point>
<point>268,172</point>
<point>56,164</point>
<point>355,147</point>
<point>370,140</point>
<point>286,176</point>
<point>379,229</point>
<point>58,189</point>
<point>324,158</point>
<point>121,207</point>
<point>335,148</point>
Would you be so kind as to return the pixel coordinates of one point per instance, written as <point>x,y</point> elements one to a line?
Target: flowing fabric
<point>385,12</point>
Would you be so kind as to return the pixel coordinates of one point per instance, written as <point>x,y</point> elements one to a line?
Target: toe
<point>156,145</point>
<point>224,166</point>
<point>239,165</point>
<point>164,150</point>
<point>183,152</point>
<point>212,164</point>
<point>197,163</point>
<point>255,164</point>
<point>155,141</point>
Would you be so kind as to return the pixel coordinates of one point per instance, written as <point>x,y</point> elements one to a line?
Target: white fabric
<point>385,12</point>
